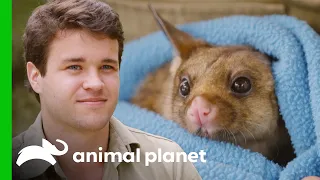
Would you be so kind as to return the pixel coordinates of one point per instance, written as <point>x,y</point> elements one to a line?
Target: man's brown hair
<point>55,15</point>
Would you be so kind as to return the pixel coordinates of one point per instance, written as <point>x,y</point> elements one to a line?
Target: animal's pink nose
<point>202,111</point>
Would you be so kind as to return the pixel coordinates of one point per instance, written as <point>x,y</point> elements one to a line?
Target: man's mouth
<point>92,101</point>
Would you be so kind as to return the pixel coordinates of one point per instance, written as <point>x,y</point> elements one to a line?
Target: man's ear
<point>34,76</point>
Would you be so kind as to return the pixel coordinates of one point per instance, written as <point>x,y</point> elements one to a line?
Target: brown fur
<point>251,121</point>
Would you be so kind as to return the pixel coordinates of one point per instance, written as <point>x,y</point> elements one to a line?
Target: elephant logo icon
<point>45,152</point>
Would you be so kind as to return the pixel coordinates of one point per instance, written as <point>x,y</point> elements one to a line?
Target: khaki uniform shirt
<point>122,139</point>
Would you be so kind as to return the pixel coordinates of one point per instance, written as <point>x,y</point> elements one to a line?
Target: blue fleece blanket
<point>297,78</point>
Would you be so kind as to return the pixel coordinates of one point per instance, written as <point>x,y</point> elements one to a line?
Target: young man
<point>73,50</point>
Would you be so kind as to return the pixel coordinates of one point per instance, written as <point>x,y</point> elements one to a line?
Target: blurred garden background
<point>137,21</point>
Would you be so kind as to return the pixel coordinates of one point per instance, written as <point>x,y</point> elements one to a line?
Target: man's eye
<point>74,67</point>
<point>107,67</point>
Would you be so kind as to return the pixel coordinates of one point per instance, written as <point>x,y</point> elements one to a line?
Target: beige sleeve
<point>185,170</point>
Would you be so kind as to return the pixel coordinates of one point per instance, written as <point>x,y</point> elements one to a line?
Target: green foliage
<point>24,105</point>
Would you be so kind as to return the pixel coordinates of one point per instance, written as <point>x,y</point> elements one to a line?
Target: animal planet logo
<point>44,153</point>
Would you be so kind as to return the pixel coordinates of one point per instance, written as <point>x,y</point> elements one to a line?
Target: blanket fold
<point>296,69</point>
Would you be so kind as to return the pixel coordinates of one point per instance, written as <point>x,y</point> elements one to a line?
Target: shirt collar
<point>121,140</point>
<point>33,137</point>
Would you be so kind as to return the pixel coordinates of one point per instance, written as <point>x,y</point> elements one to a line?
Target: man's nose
<point>93,82</point>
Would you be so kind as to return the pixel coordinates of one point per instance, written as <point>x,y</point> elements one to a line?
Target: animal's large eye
<point>241,85</point>
<point>184,87</point>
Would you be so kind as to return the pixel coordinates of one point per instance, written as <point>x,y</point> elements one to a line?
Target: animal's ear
<point>183,43</point>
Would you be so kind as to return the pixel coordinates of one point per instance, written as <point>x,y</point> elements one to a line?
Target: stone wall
<point>138,21</point>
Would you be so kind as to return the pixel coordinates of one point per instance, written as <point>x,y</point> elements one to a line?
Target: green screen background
<point>6,86</point>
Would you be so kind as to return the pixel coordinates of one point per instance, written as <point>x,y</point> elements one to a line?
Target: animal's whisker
<point>249,133</point>
<point>245,139</point>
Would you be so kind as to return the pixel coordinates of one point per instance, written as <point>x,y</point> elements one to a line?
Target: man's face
<point>81,84</point>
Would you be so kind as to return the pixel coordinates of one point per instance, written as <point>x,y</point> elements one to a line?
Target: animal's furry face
<point>236,83</point>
